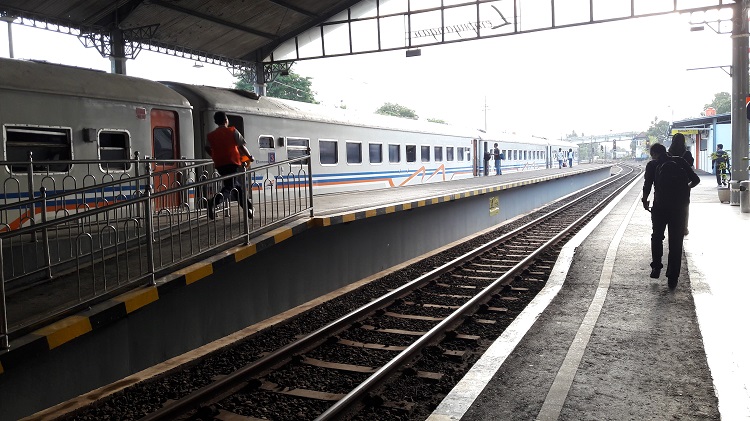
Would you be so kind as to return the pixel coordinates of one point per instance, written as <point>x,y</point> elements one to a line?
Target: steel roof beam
<point>209,18</point>
<point>294,8</point>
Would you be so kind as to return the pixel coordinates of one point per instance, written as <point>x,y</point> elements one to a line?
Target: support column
<point>117,58</point>
<point>260,79</point>
<point>739,91</point>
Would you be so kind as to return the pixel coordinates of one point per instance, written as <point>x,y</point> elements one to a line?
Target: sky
<point>594,79</point>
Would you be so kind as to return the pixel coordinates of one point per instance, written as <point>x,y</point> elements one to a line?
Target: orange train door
<point>165,141</point>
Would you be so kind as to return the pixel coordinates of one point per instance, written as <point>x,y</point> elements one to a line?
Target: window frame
<point>369,152</point>
<point>438,150</point>
<point>406,149</point>
<point>422,148</point>
<point>127,150</point>
<point>361,152</point>
<point>335,142</point>
<point>398,153</point>
<point>9,128</point>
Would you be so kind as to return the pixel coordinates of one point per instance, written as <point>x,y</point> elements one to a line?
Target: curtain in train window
<point>425,153</point>
<point>438,153</point>
<point>114,145</point>
<point>163,144</point>
<point>376,153</point>
<point>394,154</point>
<point>449,153</point>
<point>329,154</point>
<point>353,153</point>
<point>461,154</point>
<point>45,144</point>
<point>411,153</point>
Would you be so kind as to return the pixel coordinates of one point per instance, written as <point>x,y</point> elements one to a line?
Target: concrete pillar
<point>739,91</point>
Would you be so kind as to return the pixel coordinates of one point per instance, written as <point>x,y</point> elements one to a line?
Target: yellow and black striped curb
<point>100,315</point>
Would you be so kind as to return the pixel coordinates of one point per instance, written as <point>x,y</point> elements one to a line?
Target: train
<point>88,123</point>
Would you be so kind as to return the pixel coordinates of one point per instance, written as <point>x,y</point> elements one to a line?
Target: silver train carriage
<point>81,126</point>
<point>349,151</point>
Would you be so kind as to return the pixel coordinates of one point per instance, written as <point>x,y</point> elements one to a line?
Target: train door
<point>165,141</point>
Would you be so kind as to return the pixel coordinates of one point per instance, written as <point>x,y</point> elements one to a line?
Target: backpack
<point>671,182</point>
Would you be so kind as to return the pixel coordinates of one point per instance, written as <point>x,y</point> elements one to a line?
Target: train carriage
<point>78,123</point>
<point>349,151</point>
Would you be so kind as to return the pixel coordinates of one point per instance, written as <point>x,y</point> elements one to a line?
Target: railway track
<point>395,355</point>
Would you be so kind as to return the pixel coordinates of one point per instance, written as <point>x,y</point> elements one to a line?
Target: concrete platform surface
<point>603,341</point>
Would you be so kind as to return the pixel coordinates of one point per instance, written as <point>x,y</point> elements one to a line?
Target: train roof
<point>36,76</point>
<point>233,100</point>
<point>526,140</point>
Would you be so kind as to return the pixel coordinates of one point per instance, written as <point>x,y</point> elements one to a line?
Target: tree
<point>659,130</point>
<point>396,110</point>
<point>722,103</point>
<point>436,120</point>
<point>292,86</point>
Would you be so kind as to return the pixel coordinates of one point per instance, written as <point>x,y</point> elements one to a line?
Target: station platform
<point>604,341</point>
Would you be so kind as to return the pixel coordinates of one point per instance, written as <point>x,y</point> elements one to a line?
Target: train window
<point>353,153</point>
<point>438,153</point>
<point>515,155</point>
<point>237,122</point>
<point>114,145</point>
<point>394,154</point>
<point>297,147</point>
<point>468,154</point>
<point>505,153</point>
<point>411,153</point>
<point>329,152</point>
<point>45,143</point>
<point>265,142</point>
<point>376,153</point>
<point>425,153</point>
<point>525,155</point>
<point>449,153</point>
<point>163,145</point>
<point>461,154</point>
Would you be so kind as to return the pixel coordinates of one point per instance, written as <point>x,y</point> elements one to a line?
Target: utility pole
<point>739,90</point>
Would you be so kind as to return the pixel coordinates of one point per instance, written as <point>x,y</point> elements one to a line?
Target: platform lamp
<point>9,20</point>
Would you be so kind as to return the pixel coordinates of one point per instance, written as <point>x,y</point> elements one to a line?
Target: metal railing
<point>89,243</point>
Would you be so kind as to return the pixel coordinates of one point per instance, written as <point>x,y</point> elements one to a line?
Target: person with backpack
<point>498,156</point>
<point>678,148</point>
<point>720,161</point>
<point>672,178</point>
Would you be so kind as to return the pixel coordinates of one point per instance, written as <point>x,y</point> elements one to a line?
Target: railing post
<point>45,233</point>
<point>150,236</point>
<point>248,190</point>
<point>137,156</point>
<point>30,184</point>
<point>4,339</point>
<point>310,181</point>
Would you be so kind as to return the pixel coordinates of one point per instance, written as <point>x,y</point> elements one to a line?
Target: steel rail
<point>274,358</point>
<point>335,411</point>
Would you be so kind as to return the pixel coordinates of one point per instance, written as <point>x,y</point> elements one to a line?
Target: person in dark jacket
<point>668,212</point>
<point>720,162</point>
<point>678,148</point>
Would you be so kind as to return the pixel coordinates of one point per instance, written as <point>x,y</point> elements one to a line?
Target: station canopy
<point>245,33</point>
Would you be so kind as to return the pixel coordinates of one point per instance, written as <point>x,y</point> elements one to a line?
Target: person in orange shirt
<point>227,148</point>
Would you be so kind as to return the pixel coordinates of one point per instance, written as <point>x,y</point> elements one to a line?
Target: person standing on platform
<point>227,147</point>
<point>678,148</point>
<point>672,179</point>
<point>496,154</point>
<point>571,155</point>
<point>560,157</point>
<point>720,161</point>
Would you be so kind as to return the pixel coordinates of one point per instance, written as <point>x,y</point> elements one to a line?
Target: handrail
<point>151,232</point>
